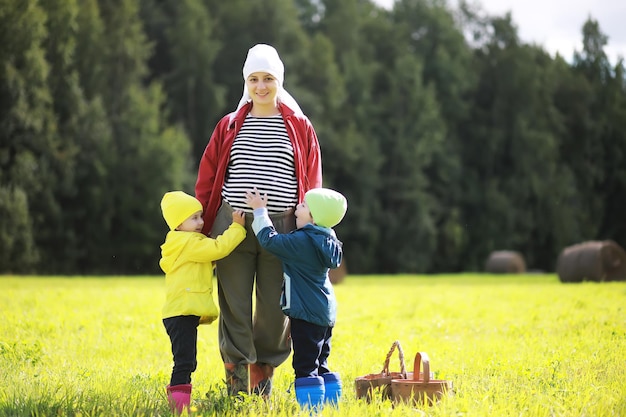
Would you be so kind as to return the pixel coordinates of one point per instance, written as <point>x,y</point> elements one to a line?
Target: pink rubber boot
<point>179,397</point>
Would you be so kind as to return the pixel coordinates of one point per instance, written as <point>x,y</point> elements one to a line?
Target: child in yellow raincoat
<point>187,258</point>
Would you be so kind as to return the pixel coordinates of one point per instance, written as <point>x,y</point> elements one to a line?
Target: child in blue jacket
<point>308,299</point>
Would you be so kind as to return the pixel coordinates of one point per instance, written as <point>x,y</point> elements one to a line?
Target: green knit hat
<point>177,206</point>
<point>327,206</point>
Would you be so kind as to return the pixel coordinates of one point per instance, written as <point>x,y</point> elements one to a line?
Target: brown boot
<point>237,378</point>
<point>261,378</point>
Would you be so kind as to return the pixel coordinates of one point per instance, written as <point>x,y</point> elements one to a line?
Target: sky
<point>557,24</point>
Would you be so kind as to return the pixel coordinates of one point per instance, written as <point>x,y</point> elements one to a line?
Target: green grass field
<point>511,345</point>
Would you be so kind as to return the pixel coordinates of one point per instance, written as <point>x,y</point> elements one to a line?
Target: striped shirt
<point>262,157</point>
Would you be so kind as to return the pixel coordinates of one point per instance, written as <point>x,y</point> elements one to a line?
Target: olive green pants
<point>247,335</point>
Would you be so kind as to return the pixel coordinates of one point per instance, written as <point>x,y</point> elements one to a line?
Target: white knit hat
<point>264,58</point>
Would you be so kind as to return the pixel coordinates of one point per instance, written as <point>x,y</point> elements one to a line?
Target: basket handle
<point>394,346</point>
<point>421,358</point>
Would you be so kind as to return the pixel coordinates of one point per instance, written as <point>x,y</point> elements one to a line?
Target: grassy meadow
<point>512,345</point>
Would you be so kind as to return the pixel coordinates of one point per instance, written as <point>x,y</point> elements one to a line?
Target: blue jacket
<point>307,255</point>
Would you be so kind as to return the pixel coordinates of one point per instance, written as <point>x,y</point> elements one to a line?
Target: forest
<point>449,135</point>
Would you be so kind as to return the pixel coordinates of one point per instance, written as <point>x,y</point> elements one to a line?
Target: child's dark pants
<point>311,347</point>
<point>183,333</point>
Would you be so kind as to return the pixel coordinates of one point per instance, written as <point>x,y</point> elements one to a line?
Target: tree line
<point>449,136</point>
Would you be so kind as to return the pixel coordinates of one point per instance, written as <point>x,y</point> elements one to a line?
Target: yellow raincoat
<point>187,260</point>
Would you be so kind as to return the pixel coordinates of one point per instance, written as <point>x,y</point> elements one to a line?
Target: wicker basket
<point>367,385</point>
<point>420,390</point>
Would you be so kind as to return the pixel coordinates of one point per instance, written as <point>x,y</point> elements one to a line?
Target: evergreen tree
<point>427,29</point>
<point>614,187</point>
<point>516,189</point>
<point>349,128</point>
<point>572,98</point>
<point>29,148</point>
<point>63,251</point>
<point>185,53</point>
<point>597,152</point>
<point>150,157</point>
<point>408,207</point>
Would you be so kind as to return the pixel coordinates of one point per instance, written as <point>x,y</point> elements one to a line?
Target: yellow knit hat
<point>177,206</point>
<point>327,206</point>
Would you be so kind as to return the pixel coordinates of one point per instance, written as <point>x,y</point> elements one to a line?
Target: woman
<point>267,143</point>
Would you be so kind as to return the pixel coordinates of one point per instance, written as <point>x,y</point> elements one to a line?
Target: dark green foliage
<point>17,249</point>
<point>510,155</point>
<point>30,150</point>
<point>427,30</point>
<point>86,150</point>
<point>447,147</point>
<point>602,145</point>
<point>185,52</point>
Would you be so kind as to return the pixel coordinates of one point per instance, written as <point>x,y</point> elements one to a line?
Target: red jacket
<point>214,161</point>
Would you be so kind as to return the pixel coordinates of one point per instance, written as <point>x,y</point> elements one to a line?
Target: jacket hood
<point>328,246</point>
<point>175,241</point>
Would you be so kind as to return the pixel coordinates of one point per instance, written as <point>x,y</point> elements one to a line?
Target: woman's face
<point>263,88</point>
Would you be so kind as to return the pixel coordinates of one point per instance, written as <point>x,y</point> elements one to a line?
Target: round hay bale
<point>505,262</point>
<point>592,261</point>
<point>338,274</point>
